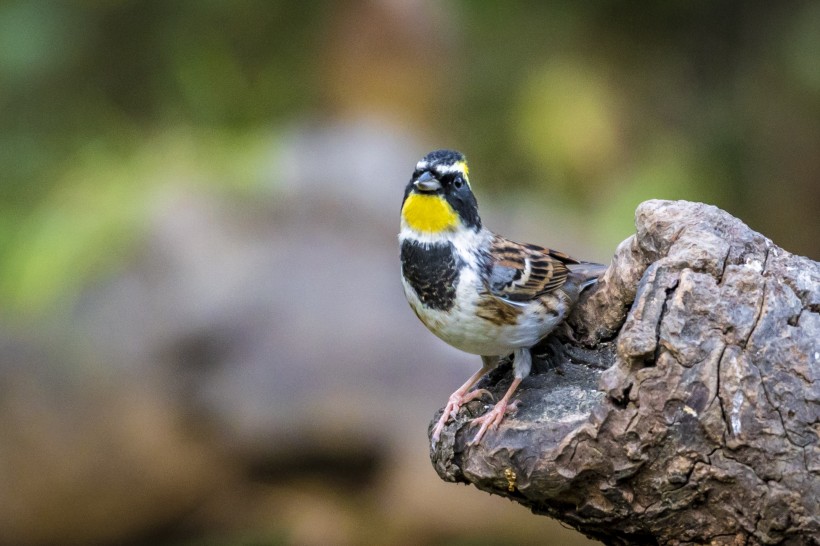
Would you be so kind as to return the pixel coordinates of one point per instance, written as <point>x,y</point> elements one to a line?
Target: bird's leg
<point>461,396</point>
<point>521,367</point>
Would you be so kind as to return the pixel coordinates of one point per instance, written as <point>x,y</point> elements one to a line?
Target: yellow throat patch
<point>429,213</point>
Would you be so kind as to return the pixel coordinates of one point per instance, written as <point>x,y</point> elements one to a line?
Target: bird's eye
<point>458,182</point>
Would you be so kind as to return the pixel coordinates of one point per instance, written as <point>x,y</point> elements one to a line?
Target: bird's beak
<point>427,182</point>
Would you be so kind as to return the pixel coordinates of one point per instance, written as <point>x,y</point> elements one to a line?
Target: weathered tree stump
<point>694,413</point>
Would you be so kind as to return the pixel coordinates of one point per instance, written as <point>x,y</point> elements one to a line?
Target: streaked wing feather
<point>522,272</point>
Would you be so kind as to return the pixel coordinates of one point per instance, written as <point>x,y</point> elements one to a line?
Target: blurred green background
<point>202,168</point>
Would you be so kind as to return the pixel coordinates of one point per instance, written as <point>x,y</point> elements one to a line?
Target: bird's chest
<point>431,272</point>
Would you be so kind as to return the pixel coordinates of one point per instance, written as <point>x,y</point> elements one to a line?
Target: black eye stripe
<point>452,178</point>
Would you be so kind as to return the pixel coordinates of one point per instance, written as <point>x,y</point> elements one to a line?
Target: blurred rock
<point>253,369</point>
<point>91,463</point>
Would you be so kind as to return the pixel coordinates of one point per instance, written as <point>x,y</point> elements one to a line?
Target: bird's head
<point>438,197</point>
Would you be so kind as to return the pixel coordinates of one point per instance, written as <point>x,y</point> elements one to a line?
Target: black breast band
<point>432,271</point>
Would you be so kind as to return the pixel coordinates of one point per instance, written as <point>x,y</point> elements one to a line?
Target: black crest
<point>445,157</point>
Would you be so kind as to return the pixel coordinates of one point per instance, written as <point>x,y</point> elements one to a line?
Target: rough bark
<point>686,410</point>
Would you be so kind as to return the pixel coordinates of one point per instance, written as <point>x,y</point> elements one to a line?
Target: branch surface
<point>688,409</point>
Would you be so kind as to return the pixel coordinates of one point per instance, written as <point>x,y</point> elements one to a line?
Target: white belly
<point>464,330</point>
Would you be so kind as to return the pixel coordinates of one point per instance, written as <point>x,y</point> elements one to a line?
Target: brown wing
<point>522,272</point>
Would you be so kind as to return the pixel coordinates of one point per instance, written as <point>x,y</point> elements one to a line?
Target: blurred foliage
<point>597,105</point>
<point>605,104</point>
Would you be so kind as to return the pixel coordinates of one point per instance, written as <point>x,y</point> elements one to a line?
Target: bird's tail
<point>586,273</point>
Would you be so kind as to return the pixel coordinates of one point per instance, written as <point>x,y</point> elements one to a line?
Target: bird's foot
<point>454,403</point>
<point>492,419</point>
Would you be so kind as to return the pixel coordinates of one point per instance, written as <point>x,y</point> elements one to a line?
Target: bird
<point>478,291</point>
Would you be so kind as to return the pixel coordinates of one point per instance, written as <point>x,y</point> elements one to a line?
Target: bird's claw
<point>454,404</point>
<point>492,419</point>
<point>469,397</point>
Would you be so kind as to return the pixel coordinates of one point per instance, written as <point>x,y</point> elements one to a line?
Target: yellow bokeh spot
<point>429,213</point>
<point>568,124</point>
